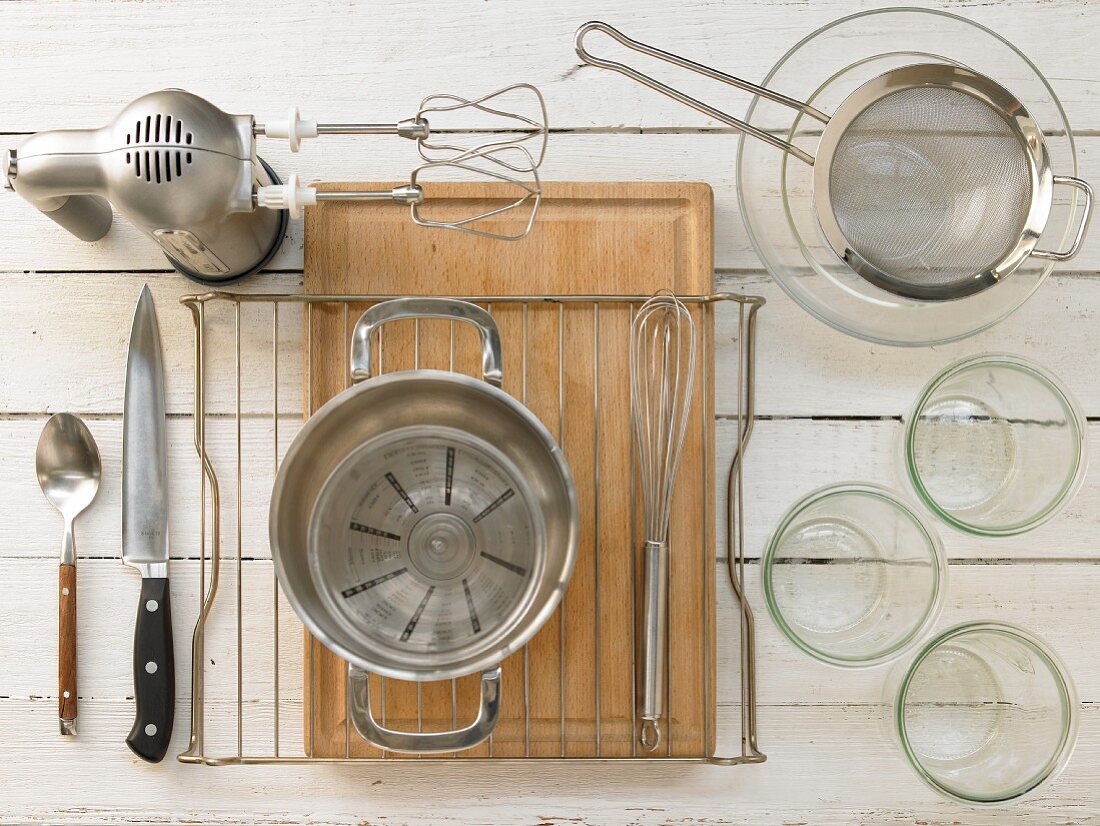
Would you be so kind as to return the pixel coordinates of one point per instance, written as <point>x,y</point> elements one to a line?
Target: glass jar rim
<point>1067,694</point>
<point>933,545</point>
<point>1074,415</point>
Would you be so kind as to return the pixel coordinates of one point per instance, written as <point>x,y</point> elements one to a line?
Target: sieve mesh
<point>931,186</point>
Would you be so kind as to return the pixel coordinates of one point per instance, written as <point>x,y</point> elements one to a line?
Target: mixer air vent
<point>150,162</point>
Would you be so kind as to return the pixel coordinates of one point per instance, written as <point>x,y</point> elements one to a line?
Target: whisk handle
<point>654,640</point>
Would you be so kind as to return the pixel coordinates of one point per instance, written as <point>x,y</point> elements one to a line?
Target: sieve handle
<point>1082,228</point>
<point>445,308</point>
<point>688,100</point>
<point>416,742</point>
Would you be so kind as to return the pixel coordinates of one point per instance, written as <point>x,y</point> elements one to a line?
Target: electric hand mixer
<point>187,174</point>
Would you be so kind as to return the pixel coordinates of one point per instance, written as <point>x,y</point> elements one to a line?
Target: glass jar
<point>853,575</point>
<point>985,713</point>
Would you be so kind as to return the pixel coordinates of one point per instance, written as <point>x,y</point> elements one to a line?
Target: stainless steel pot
<point>424,525</point>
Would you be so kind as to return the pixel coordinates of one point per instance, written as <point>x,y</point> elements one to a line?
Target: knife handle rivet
<point>151,667</point>
<point>65,694</point>
<point>151,606</point>
<point>64,592</point>
<point>150,729</point>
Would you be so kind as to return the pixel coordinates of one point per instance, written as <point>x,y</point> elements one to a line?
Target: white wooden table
<point>829,405</point>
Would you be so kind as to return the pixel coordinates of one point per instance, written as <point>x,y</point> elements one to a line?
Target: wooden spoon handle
<point>66,648</point>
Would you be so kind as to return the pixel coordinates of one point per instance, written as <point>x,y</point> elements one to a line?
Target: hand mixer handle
<point>88,217</point>
<point>61,175</point>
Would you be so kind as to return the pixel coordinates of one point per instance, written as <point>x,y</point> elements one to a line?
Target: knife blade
<point>145,533</point>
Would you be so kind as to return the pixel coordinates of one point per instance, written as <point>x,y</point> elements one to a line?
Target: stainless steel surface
<point>688,100</point>
<point>257,732</point>
<point>411,128</point>
<point>11,168</point>
<point>662,380</point>
<point>501,144</point>
<point>188,176</point>
<point>440,742</point>
<point>69,470</point>
<point>735,534</point>
<point>370,323</point>
<point>179,168</point>
<point>144,447</point>
<point>930,181</point>
<point>351,464</point>
<point>408,195</point>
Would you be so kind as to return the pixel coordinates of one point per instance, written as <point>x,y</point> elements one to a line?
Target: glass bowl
<point>985,713</point>
<point>776,193</point>
<point>853,575</point>
<point>995,445</point>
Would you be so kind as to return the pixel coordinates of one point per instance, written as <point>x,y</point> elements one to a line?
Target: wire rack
<point>253,367</point>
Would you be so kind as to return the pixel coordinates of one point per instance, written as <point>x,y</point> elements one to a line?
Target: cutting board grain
<point>572,372</point>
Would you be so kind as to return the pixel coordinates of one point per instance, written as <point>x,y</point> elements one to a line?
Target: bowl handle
<point>414,742</point>
<point>445,308</point>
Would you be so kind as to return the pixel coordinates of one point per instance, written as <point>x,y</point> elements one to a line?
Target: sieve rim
<point>988,92</point>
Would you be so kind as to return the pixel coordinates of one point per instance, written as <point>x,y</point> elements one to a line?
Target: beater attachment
<point>499,137</point>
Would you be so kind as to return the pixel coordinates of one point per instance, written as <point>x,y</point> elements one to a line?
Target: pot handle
<point>435,742</point>
<point>445,308</point>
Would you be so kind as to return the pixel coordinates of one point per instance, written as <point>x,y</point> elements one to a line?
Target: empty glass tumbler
<point>853,575</point>
<point>995,445</point>
<point>985,713</point>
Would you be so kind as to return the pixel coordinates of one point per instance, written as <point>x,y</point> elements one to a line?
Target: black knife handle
<point>154,673</point>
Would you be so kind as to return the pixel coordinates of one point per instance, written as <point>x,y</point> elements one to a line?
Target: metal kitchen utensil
<point>854,575</point>
<point>145,533</point>
<point>985,714</point>
<point>662,379</point>
<point>995,445</point>
<point>502,143</point>
<point>424,525</point>
<point>188,176</point>
<point>69,470</point>
<point>265,729</point>
<point>930,181</point>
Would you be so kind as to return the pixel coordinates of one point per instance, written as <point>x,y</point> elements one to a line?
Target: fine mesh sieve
<point>930,181</point>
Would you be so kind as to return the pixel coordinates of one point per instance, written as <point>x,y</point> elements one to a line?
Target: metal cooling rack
<point>247,729</point>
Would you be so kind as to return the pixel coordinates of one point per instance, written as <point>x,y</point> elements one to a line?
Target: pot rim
<point>532,622</point>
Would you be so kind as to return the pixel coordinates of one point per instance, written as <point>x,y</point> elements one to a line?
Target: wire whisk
<point>662,380</point>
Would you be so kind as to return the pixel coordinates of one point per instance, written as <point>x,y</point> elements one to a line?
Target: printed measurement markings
<point>355,526</point>
<point>496,503</point>
<point>401,492</point>
<point>415,618</point>
<point>370,583</point>
<point>450,475</point>
<point>474,622</point>
<point>504,563</point>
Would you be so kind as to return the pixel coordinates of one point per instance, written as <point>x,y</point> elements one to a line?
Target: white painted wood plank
<point>827,765</point>
<point>804,367</point>
<point>1052,600</point>
<point>63,346</point>
<point>786,459</point>
<point>369,63</point>
<point>31,242</point>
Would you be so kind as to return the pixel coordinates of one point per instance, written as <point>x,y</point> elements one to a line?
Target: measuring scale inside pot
<point>431,541</point>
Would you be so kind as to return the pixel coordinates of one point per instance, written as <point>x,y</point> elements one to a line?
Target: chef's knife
<point>145,533</point>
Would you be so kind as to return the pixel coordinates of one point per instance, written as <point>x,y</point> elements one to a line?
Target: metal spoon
<point>69,470</point>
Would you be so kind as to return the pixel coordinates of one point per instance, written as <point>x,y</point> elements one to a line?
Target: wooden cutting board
<point>590,238</point>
